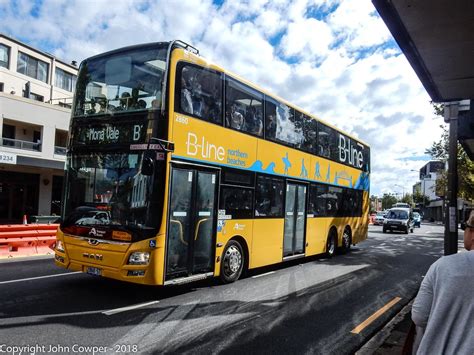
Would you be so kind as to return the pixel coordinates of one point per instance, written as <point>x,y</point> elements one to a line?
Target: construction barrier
<point>27,239</point>
<point>371,219</point>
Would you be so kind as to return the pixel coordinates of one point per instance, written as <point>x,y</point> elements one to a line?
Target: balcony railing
<point>59,150</point>
<point>19,144</point>
<point>63,102</point>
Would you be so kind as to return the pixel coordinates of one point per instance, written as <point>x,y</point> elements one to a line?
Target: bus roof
<point>215,66</point>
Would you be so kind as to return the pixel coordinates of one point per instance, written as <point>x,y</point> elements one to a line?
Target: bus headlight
<point>59,246</point>
<point>139,258</point>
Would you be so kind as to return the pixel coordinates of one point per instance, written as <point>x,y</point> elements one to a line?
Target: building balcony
<point>19,144</point>
<point>59,150</point>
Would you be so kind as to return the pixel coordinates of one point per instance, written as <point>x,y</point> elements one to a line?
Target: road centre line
<point>265,274</point>
<point>40,277</point>
<point>128,308</point>
<point>375,315</point>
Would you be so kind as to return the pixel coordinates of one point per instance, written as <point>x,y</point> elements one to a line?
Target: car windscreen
<point>397,214</point>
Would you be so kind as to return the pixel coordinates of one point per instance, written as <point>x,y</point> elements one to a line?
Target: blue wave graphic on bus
<point>363,182</point>
<point>258,166</point>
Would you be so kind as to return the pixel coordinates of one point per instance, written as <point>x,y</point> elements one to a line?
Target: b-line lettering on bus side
<point>203,149</point>
<point>348,153</point>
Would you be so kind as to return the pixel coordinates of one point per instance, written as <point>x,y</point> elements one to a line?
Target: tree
<point>440,151</point>
<point>388,200</point>
<point>407,198</point>
<point>419,198</point>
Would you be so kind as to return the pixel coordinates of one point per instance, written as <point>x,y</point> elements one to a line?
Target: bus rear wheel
<point>346,241</point>
<point>232,262</point>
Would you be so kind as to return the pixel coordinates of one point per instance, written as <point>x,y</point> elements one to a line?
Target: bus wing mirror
<point>147,166</point>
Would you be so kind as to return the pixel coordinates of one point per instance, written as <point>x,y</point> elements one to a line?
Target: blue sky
<point>335,59</point>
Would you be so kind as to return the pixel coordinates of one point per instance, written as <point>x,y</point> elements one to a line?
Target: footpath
<point>391,338</point>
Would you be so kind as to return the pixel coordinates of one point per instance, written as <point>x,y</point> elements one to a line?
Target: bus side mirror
<point>147,166</point>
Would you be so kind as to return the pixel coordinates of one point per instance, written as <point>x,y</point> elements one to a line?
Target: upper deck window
<point>199,92</point>
<point>127,80</point>
<point>282,124</point>
<point>32,67</point>
<point>4,56</point>
<point>244,108</point>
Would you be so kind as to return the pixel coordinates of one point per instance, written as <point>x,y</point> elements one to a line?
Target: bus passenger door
<point>191,223</point>
<point>295,220</point>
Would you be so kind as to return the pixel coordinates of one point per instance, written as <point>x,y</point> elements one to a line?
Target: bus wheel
<point>331,243</point>
<point>346,241</point>
<point>232,262</point>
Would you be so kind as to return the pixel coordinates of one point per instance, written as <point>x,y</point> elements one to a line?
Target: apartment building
<point>36,92</point>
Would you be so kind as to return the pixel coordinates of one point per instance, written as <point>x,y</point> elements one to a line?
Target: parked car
<point>399,219</point>
<point>416,219</point>
<point>379,218</point>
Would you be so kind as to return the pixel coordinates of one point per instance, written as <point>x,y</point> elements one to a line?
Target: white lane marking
<point>40,277</point>
<point>128,308</point>
<point>265,274</point>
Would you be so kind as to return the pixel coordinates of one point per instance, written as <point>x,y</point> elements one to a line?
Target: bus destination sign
<point>110,134</point>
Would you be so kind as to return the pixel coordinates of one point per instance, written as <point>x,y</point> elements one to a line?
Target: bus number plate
<point>94,271</point>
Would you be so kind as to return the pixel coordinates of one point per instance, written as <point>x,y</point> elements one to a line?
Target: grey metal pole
<point>451,112</point>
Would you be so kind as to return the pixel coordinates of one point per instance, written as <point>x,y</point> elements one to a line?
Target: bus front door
<point>295,218</point>
<point>191,223</point>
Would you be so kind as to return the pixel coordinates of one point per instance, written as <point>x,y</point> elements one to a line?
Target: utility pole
<point>451,113</point>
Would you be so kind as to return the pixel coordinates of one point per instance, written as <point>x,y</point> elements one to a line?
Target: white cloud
<point>345,72</point>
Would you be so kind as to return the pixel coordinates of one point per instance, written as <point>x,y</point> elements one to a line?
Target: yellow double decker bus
<point>178,170</point>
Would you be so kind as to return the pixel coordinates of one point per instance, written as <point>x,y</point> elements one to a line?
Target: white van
<point>399,219</point>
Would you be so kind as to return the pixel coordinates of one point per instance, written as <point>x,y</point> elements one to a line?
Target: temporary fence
<point>27,239</point>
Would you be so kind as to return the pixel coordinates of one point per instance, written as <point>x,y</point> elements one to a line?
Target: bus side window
<point>310,143</point>
<point>236,201</point>
<point>199,93</point>
<point>269,197</point>
<point>270,120</point>
<point>327,142</point>
<point>244,108</point>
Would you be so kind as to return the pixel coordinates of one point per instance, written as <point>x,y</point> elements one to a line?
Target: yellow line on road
<point>374,316</point>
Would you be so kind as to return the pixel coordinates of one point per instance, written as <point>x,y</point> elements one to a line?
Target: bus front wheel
<point>232,262</point>
<point>331,243</point>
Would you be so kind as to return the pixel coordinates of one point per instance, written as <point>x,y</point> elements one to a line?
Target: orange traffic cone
<point>25,220</point>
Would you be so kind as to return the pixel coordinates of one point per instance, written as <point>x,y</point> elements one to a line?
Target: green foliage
<point>408,198</point>
<point>419,198</point>
<point>388,200</point>
<point>440,151</point>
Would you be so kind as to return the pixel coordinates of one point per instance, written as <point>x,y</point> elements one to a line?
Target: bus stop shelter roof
<point>437,37</point>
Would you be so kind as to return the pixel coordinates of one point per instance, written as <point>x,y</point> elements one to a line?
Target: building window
<point>33,96</point>
<point>65,80</point>
<point>4,56</point>
<point>32,67</point>
<point>1,87</point>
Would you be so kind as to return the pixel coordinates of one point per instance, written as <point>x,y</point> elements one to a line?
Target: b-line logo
<point>348,152</point>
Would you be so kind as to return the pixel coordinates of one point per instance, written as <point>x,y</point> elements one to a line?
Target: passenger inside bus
<point>236,118</point>
<point>186,98</point>
<point>271,126</point>
<point>253,122</point>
